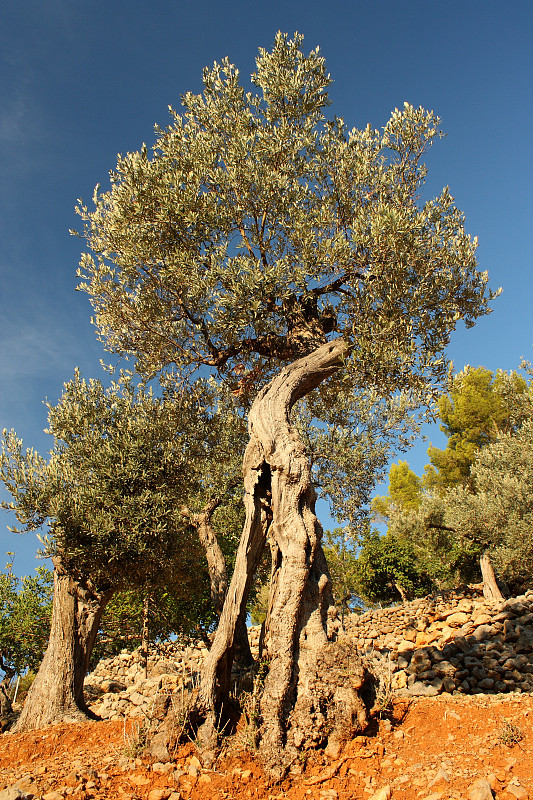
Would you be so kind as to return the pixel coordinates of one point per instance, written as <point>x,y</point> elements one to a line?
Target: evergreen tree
<point>283,253</point>
<point>405,492</point>
<point>478,409</point>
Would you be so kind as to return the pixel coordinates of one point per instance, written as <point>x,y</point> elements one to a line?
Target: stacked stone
<point>459,643</point>
<point>254,632</point>
<point>118,686</point>
<point>456,643</point>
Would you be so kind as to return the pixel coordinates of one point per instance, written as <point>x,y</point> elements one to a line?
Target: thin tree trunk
<point>6,707</point>
<point>401,592</point>
<point>491,590</point>
<point>57,691</point>
<point>145,636</point>
<point>216,565</point>
<point>278,487</point>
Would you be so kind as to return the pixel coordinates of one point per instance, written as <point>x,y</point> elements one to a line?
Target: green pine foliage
<point>479,407</point>
<point>405,492</point>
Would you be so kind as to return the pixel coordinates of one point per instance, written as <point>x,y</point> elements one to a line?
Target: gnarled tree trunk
<point>491,590</point>
<point>57,691</point>
<point>297,707</point>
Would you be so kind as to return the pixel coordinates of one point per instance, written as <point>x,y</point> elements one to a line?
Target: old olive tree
<point>288,255</point>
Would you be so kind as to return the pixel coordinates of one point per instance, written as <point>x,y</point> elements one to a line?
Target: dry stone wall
<point>118,686</point>
<point>457,643</point>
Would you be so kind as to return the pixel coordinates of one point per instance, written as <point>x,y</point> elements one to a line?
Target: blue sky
<point>82,81</point>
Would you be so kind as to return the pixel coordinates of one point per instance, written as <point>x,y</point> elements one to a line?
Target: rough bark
<point>280,497</point>
<point>6,707</point>
<point>216,563</point>
<point>57,691</point>
<point>218,577</point>
<point>491,590</point>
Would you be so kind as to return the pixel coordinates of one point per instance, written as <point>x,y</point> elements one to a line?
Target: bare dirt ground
<point>427,748</point>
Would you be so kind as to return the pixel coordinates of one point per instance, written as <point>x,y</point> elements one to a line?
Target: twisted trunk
<point>280,498</point>
<point>57,691</point>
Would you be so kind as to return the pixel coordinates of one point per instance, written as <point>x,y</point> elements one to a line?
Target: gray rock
<point>482,632</point>
<point>158,748</point>
<point>448,684</point>
<point>419,689</point>
<point>445,668</point>
<point>162,768</point>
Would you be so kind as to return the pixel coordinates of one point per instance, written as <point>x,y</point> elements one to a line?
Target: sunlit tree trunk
<point>491,589</point>
<point>280,498</point>
<point>401,591</point>
<point>57,691</point>
<point>218,577</point>
<point>145,635</point>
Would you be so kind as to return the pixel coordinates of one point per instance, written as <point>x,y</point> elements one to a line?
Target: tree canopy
<point>123,494</point>
<point>122,464</point>
<point>498,515</point>
<point>256,227</point>
<point>25,609</point>
<point>388,570</point>
<point>476,502</point>
<point>405,488</point>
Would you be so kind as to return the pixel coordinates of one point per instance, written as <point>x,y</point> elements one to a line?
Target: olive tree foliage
<point>109,492</point>
<point>181,609</point>
<point>493,515</point>
<point>25,610</point>
<point>482,410</point>
<point>498,516</point>
<point>503,475</point>
<point>259,235</point>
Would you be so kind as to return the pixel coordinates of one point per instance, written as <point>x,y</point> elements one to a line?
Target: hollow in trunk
<point>299,706</point>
